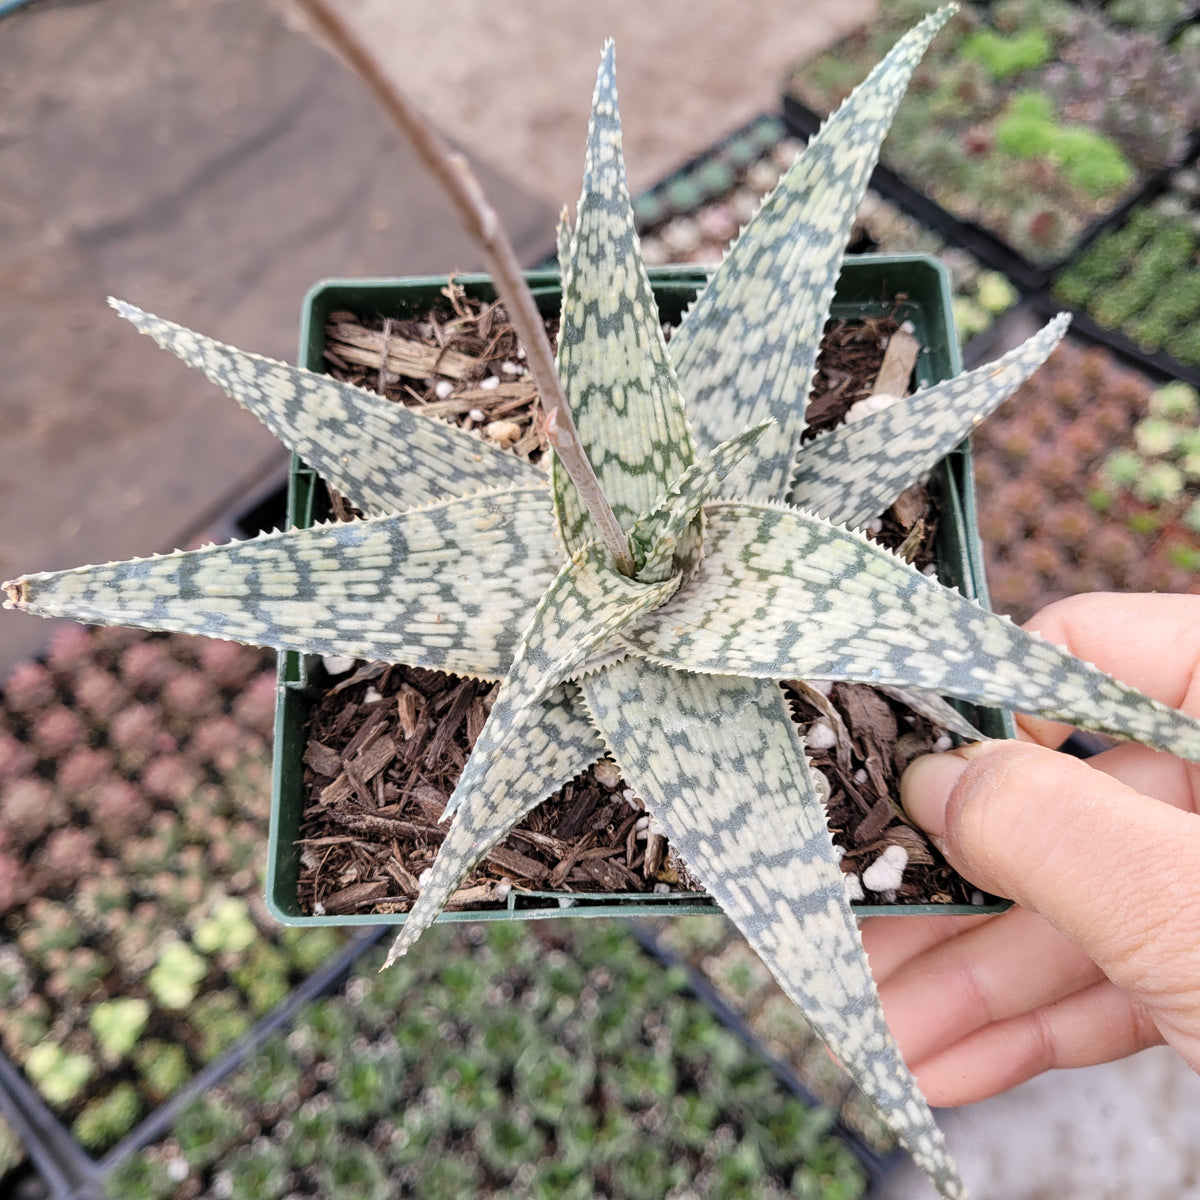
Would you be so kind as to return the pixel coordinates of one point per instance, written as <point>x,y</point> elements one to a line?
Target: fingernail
<point>926,785</point>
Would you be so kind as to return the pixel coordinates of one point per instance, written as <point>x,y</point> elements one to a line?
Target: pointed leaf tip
<point>125,310</point>
<point>760,316</point>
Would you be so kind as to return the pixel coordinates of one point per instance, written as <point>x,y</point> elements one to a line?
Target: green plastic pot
<point>910,287</point>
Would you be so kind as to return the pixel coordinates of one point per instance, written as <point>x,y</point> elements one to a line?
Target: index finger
<point>1149,641</point>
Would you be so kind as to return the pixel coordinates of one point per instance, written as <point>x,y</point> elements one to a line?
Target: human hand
<point>1101,956</point>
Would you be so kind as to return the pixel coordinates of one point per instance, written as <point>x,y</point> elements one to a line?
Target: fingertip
<point>928,783</point>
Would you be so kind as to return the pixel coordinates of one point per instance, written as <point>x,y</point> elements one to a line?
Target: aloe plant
<point>746,568</point>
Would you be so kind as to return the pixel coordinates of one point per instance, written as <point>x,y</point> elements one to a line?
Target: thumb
<point>1115,871</point>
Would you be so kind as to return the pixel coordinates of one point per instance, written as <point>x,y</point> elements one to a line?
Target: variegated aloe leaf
<point>379,454</point>
<point>588,602</point>
<point>762,703</point>
<point>782,594</point>
<point>655,536</point>
<point>448,587</point>
<point>545,753</point>
<point>747,348</point>
<point>725,775</point>
<point>852,473</point>
<point>931,706</point>
<point>612,355</point>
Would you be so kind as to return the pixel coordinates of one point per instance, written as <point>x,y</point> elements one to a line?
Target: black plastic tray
<point>875,1165</point>
<point>69,1172</point>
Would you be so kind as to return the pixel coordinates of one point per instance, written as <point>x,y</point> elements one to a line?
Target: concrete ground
<point>203,159</point>
<point>1127,1130</point>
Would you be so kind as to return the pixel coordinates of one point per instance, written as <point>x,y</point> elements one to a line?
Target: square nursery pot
<point>909,287</point>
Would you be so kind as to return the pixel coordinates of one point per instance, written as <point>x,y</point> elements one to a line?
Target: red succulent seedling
<point>1071,522</point>
<point>1041,557</point>
<point>1063,387</point>
<point>119,810</point>
<point>1024,497</point>
<point>17,758</point>
<point>58,730</point>
<point>29,687</point>
<point>170,777</point>
<point>1084,441</point>
<point>70,648</point>
<point>1054,464</point>
<point>215,741</point>
<point>1115,548</point>
<point>15,885</point>
<point>83,769</point>
<point>1000,526</point>
<point>191,695</point>
<point>113,639</point>
<point>229,664</point>
<point>255,707</point>
<point>29,807</point>
<point>147,664</point>
<point>1112,417</point>
<point>137,732</point>
<point>1015,437</point>
<point>99,693</point>
<point>1044,229</point>
<point>69,854</point>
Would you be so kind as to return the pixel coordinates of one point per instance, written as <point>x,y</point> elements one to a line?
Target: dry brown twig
<point>479,219</point>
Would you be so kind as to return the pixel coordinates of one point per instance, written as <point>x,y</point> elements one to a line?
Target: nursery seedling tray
<point>908,287</point>
<point>892,180</point>
<point>1158,363</point>
<point>877,1164</point>
<point>70,1173</point>
<point>991,250</point>
<point>389,1030</point>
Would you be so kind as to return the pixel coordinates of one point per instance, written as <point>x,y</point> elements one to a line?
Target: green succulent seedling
<point>1005,55</point>
<point>220,1020</point>
<point>176,975</point>
<point>1177,401</point>
<point>106,1120</point>
<point>1093,162</point>
<point>1160,483</point>
<point>1156,436</point>
<point>162,1066</point>
<point>59,1074</point>
<point>649,611</point>
<point>12,1152</point>
<point>228,930</point>
<point>117,1025</point>
<point>1191,517</point>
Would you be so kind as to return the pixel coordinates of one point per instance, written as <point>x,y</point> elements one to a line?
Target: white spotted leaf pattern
<point>379,454</point>
<point>612,354</point>
<point>861,467</point>
<point>747,349</point>
<point>449,586</point>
